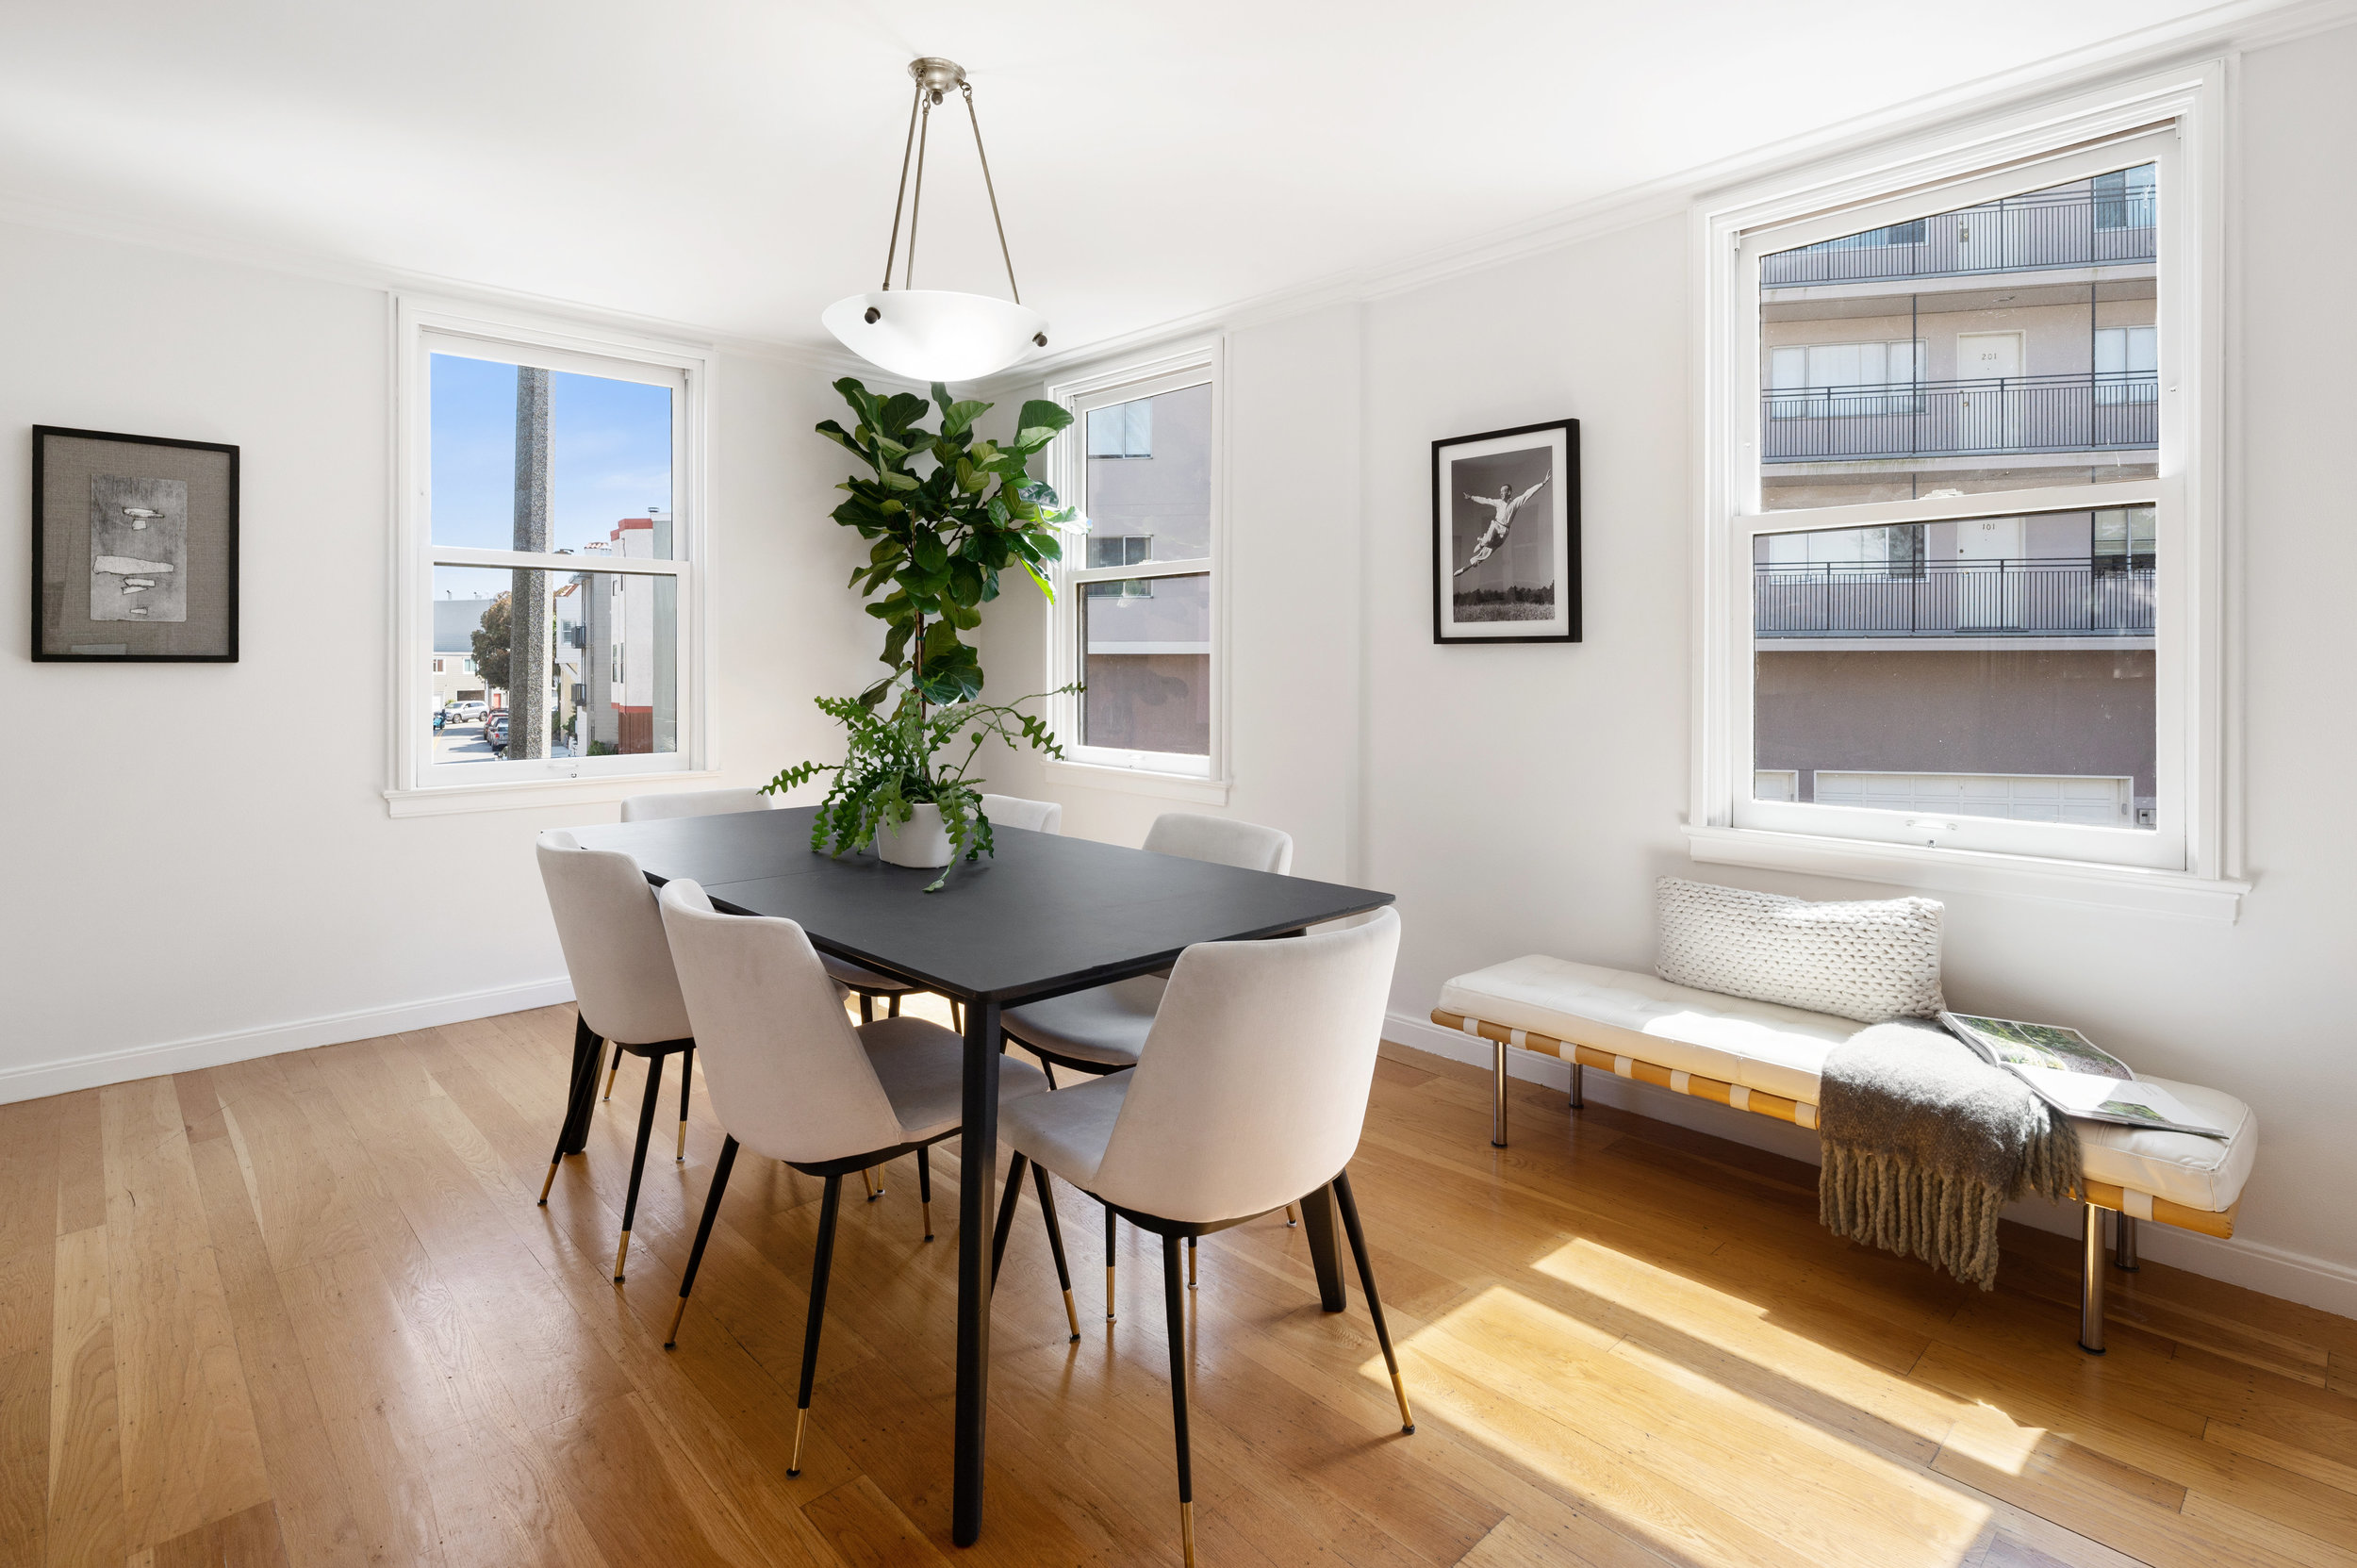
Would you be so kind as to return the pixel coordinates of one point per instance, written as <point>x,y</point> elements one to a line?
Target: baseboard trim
<point>43,1079</point>
<point>2299,1276</point>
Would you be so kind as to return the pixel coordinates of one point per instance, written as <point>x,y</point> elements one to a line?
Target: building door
<point>1988,373</point>
<point>1987,573</point>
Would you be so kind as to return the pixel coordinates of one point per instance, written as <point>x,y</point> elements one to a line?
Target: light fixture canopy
<point>936,334</point>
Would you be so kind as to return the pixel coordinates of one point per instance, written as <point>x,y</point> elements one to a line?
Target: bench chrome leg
<point>1579,1102</point>
<point>2091,1282</point>
<point>2124,1241</point>
<point>1497,1095</point>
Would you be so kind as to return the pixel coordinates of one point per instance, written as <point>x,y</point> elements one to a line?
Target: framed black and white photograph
<point>135,548</point>
<point>1506,536</point>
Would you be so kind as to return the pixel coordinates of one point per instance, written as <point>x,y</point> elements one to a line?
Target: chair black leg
<point>1055,1245</point>
<point>703,1233</point>
<point>1375,1303</point>
<point>1006,1215</point>
<point>892,1009</point>
<point>819,1265</point>
<point>866,1008</point>
<point>1049,1068</point>
<point>1190,1262</point>
<point>579,1102</point>
<point>1112,1219</point>
<point>925,1188</point>
<point>611,1073</point>
<point>638,1158</point>
<point>687,1075</point>
<point>1175,1310</point>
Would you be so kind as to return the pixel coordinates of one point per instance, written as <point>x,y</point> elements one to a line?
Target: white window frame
<point>2186,864</point>
<point>1202,780</point>
<point>417,785</point>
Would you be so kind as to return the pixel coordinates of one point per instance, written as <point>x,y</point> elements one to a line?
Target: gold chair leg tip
<point>550,1180</point>
<point>670,1341</point>
<point>801,1423</point>
<point>620,1253</point>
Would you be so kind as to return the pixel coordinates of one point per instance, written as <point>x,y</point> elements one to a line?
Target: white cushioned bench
<point>1764,1057</point>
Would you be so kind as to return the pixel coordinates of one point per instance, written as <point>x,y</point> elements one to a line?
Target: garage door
<point>2090,800</point>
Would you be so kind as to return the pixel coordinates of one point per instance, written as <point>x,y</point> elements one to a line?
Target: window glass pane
<point>1999,346</point>
<point>595,455</point>
<point>1148,487</point>
<point>606,644</point>
<point>1992,667</point>
<point>1146,660</point>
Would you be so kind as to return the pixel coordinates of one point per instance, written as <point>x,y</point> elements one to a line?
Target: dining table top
<point>1043,915</point>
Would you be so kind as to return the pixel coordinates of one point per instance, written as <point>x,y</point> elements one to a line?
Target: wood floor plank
<point>249,1538</point>
<point>86,1521</point>
<point>191,1452</point>
<point>867,1532</point>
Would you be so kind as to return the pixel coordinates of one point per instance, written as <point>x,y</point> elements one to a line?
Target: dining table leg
<point>1318,1223</point>
<point>978,1180</point>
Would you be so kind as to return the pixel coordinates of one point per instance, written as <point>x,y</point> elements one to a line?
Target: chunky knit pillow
<point>1865,961</point>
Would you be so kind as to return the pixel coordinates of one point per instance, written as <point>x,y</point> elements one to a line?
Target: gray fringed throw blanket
<point>1924,1142</point>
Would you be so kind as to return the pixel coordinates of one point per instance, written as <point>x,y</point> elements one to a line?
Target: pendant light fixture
<point>936,334</point>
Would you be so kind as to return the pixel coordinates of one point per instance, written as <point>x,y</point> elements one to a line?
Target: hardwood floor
<point>304,1310</point>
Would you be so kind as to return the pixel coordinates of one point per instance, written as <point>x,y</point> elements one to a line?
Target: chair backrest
<point>1012,811</point>
<point>1252,1087</point>
<point>611,936</point>
<point>695,803</point>
<point>785,1071</point>
<point>1221,840</point>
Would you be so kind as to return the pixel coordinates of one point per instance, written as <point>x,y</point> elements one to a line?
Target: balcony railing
<point>1953,598</point>
<point>2098,411</point>
<point>2067,228</point>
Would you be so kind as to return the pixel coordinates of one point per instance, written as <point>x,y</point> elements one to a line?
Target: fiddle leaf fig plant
<point>939,539</point>
<point>945,514</point>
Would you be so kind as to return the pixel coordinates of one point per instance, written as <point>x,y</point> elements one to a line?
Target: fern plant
<point>894,763</point>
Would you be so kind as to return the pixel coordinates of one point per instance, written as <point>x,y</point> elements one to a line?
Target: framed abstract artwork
<point>1506,536</point>
<point>135,549</point>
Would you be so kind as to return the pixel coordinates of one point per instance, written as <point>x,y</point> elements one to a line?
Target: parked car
<point>468,712</point>
<point>495,731</point>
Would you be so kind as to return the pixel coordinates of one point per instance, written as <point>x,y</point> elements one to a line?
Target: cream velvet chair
<point>1251,1093</point>
<point>1102,1029</point>
<point>695,803</point>
<point>792,1079</point>
<point>1012,811</point>
<point>611,936</point>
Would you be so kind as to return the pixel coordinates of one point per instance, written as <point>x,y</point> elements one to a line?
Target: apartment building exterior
<point>2000,666</point>
<point>622,694</point>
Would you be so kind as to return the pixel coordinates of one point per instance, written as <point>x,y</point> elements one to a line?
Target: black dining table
<point>1046,916</point>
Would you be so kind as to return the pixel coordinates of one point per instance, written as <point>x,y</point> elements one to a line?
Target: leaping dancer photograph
<point>1494,535</point>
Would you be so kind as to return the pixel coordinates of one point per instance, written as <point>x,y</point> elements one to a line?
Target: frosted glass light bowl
<point>934,334</point>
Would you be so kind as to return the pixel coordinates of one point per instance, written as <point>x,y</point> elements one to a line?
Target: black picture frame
<point>1559,440</point>
<point>51,643</point>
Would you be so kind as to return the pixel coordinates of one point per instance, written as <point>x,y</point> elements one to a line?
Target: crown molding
<point>2235,27</point>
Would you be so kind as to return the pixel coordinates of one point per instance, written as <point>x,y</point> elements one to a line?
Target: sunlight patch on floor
<point>1627,1431</point>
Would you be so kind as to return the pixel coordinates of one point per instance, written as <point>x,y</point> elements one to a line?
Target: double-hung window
<point>548,518</point>
<point>1138,602</point>
<point>1960,611</point>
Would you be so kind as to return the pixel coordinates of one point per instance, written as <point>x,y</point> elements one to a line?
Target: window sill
<point>1137,780</point>
<point>2136,889</point>
<point>518,794</point>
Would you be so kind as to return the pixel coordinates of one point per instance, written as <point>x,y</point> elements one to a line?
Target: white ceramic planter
<point>922,841</point>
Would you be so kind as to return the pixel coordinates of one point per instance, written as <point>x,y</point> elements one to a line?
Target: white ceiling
<point>731,164</point>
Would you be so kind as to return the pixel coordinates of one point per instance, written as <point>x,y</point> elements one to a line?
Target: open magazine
<point>2071,1074</point>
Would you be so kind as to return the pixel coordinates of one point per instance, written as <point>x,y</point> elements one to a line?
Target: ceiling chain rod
<point>917,202</point>
<point>901,195</point>
<point>1005,255</point>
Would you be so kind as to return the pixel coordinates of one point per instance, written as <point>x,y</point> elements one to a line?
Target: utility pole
<point>531,662</point>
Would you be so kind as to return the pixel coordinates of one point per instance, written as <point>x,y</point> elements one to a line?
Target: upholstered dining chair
<point>696,802</point>
<point>1252,1090</point>
<point>792,1079</point>
<point>1012,811</point>
<point>1102,1029</point>
<point>611,936</point>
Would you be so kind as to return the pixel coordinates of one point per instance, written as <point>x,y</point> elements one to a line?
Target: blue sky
<point>610,449</point>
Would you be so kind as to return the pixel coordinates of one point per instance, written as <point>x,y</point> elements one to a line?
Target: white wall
<point>1523,798</point>
<point>199,863</point>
